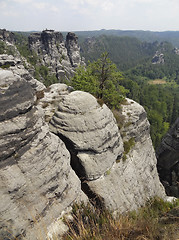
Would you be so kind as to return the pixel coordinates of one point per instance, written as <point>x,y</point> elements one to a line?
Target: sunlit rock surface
<point>37,182</point>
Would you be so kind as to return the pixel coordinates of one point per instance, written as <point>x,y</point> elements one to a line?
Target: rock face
<point>59,146</point>
<point>15,65</point>
<point>133,179</point>
<point>90,133</point>
<point>61,58</point>
<point>7,36</point>
<point>73,49</point>
<point>37,182</point>
<point>168,161</point>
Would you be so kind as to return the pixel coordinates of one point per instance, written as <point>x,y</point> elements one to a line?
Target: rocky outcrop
<point>176,51</point>
<point>7,36</point>
<point>73,49</point>
<point>16,66</point>
<point>61,58</point>
<point>158,58</point>
<point>90,133</point>
<point>59,146</point>
<point>168,161</point>
<point>37,182</point>
<point>133,179</point>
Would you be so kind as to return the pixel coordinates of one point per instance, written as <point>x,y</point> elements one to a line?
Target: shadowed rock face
<point>168,161</point>
<point>37,182</point>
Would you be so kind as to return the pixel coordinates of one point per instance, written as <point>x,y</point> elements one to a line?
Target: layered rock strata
<point>37,182</point>
<point>59,56</point>
<point>168,160</point>
<point>16,66</point>
<point>90,133</point>
<point>133,179</point>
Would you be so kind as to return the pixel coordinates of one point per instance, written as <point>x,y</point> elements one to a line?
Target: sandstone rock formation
<point>7,36</point>
<point>15,65</point>
<point>37,182</point>
<point>158,58</point>
<point>91,135</point>
<point>168,161</point>
<point>59,146</point>
<point>61,58</point>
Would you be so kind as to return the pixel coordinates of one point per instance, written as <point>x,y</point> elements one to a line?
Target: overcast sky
<point>73,15</point>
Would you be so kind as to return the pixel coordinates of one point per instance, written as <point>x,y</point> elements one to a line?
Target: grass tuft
<point>94,224</point>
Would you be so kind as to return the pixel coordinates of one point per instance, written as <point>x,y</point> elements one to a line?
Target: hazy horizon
<point>89,15</point>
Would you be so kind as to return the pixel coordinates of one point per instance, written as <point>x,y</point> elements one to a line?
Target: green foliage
<point>2,47</point>
<point>5,66</point>
<point>6,49</point>
<point>101,79</point>
<point>161,103</point>
<point>43,72</point>
<point>127,147</point>
<point>125,52</point>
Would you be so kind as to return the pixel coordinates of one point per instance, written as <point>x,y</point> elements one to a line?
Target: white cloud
<point>107,5</point>
<point>3,4</point>
<point>90,14</point>
<point>54,9</point>
<point>40,5</point>
<point>10,13</point>
<point>22,1</point>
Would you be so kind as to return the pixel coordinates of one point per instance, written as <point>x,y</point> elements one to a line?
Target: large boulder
<point>168,160</point>
<point>37,182</point>
<point>90,133</point>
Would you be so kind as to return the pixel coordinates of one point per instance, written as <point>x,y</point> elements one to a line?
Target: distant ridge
<point>149,36</point>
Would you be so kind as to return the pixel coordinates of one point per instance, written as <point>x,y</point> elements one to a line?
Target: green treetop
<point>101,79</point>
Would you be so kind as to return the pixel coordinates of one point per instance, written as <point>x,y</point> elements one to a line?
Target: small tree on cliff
<point>101,79</point>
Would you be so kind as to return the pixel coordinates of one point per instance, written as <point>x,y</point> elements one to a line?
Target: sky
<point>80,15</point>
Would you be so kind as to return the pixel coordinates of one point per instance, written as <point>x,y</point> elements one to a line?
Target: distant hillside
<point>125,52</point>
<point>149,36</point>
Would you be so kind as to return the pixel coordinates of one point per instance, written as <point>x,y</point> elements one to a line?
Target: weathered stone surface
<point>168,160</point>
<point>90,132</point>
<point>133,180</point>
<point>73,49</point>
<point>37,182</point>
<point>52,96</point>
<point>6,35</point>
<point>15,65</point>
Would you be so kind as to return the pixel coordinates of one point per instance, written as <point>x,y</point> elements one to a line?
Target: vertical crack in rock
<point>92,137</point>
<point>81,173</point>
